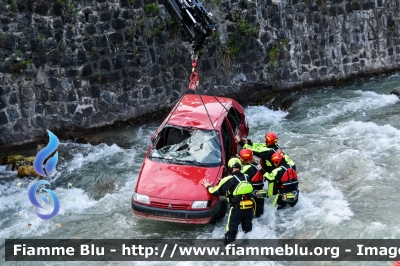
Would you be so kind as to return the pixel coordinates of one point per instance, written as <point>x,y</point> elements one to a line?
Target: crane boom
<point>194,21</point>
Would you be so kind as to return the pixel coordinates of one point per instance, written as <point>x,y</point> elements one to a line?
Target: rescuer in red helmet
<point>265,150</point>
<point>253,170</point>
<point>283,182</point>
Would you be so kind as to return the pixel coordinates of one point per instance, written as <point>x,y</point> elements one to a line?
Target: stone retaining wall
<point>70,65</point>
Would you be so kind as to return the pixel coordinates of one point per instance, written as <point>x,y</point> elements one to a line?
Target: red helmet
<point>246,154</point>
<point>271,138</point>
<point>277,157</point>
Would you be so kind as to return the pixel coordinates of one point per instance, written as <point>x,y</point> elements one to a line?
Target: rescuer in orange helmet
<point>265,150</point>
<point>253,170</point>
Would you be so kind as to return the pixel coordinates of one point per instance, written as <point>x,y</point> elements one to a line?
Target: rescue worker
<point>253,170</point>
<point>238,190</point>
<point>265,150</point>
<point>283,182</point>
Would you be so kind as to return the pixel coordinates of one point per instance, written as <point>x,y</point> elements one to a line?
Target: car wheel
<point>222,211</point>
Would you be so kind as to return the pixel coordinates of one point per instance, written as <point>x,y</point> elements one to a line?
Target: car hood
<point>172,181</point>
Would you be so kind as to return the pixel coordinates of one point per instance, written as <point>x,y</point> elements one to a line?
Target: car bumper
<point>177,216</point>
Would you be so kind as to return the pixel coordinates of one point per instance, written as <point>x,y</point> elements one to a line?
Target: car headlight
<point>199,204</point>
<point>141,198</point>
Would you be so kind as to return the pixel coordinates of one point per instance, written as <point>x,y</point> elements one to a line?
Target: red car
<point>194,142</point>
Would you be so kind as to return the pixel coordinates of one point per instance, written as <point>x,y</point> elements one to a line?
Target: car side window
<point>234,119</point>
<point>226,140</point>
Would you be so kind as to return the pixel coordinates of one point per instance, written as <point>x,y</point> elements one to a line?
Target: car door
<point>238,122</point>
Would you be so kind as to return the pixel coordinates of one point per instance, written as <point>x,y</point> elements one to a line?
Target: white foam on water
<point>92,154</point>
<point>22,213</point>
<point>325,207</point>
<point>73,200</point>
<point>23,223</point>
<point>262,119</point>
<point>261,116</point>
<point>339,106</point>
<point>368,135</point>
<point>367,147</point>
<point>2,169</point>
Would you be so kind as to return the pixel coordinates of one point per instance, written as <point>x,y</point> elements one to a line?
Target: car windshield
<point>187,146</point>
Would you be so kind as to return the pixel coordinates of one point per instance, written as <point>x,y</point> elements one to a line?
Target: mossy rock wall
<point>71,65</point>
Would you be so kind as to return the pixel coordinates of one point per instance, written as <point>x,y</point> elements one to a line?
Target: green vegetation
<point>140,22</point>
<point>131,2</point>
<point>244,4</point>
<point>99,74</point>
<point>94,48</point>
<point>273,55</point>
<point>284,42</point>
<point>172,25</point>
<point>239,37</point>
<point>40,38</point>
<point>392,24</point>
<point>3,40</point>
<point>151,8</point>
<point>280,49</point>
<point>26,63</point>
<point>68,7</point>
<point>153,30</point>
<point>18,53</point>
<point>219,43</point>
<point>129,31</point>
<point>13,5</point>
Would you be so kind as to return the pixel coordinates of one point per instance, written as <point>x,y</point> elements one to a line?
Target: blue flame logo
<point>42,155</point>
<point>45,170</point>
<point>34,201</point>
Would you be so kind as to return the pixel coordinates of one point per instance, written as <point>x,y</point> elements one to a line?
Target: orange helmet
<point>276,158</point>
<point>246,154</point>
<point>271,138</point>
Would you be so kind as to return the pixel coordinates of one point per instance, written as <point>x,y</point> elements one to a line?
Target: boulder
<point>27,170</point>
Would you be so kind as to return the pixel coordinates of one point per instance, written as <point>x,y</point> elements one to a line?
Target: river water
<point>345,141</point>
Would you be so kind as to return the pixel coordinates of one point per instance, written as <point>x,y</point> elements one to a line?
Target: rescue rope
<point>209,117</point>
<point>238,122</point>
<point>195,82</point>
